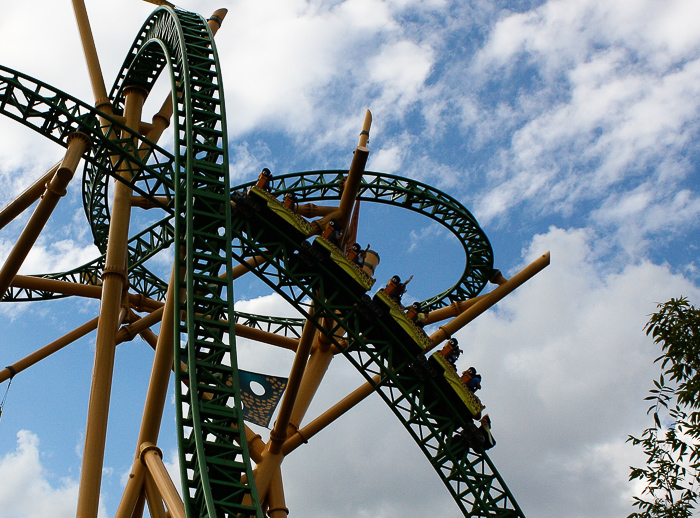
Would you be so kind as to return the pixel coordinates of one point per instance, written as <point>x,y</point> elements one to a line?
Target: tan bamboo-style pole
<point>364,134</point>
<point>29,196</point>
<point>313,376</point>
<point>55,190</point>
<point>447,330</point>
<point>454,309</point>
<point>93,63</point>
<point>134,486</point>
<point>156,508</point>
<point>311,210</point>
<point>152,457</point>
<point>138,302</point>
<point>47,350</point>
<point>304,434</point>
<point>150,338</point>
<point>244,267</point>
<point>28,282</point>
<point>316,368</point>
<point>128,332</point>
<point>114,284</point>
<point>157,392</point>
<point>266,337</point>
<point>352,183</point>
<point>279,431</point>
<point>271,457</point>
<point>256,445</point>
<point>277,507</point>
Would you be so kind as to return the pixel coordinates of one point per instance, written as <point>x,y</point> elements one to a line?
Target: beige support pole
<point>271,457</point>
<point>279,432</point>
<point>114,285</point>
<point>364,134</point>
<point>25,200</point>
<point>216,19</point>
<point>277,507</point>
<point>456,308</point>
<point>157,392</point>
<point>134,487</point>
<point>93,63</point>
<point>139,302</point>
<point>256,445</point>
<point>244,267</point>
<point>311,210</point>
<point>55,190</point>
<point>47,350</point>
<point>152,457</point>
<point>157,389</point>
<point>315,370</point>
<point>27,282</point>
<point>266,337</point>
<point>150,338</point>
<point>352,184</point>
<point>503,289</point>
<point>302,436</point>
<point>156,509</point>
<point>128,332</point>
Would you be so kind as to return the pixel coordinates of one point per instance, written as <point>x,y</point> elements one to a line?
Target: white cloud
<point>565,367</point>
<point>52,256</point>
<point>583,111</point>
<point>28,491</point>
<point>300,48</point>
<point>602,105</point>
<point>401,69</point>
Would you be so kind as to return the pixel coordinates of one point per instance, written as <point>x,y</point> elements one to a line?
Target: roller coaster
<point>295,232</point>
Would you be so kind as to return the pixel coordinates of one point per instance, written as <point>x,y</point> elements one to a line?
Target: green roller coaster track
<point>192,188</point>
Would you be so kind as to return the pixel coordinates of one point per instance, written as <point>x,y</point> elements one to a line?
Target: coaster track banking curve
<point>192,188</point>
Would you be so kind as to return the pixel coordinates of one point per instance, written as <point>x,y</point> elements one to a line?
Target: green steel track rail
<point>216,468</point>
<point>194,184</point>
<point>214,455</point>
<point>429,413</point>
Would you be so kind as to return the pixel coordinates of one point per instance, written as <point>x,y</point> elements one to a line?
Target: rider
<point>451,351</point>
<point>471,379</point>
<point>264,179</point>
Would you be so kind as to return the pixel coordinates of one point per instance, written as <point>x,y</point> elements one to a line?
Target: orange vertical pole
<point>315,370</point>
<point>113,288</point>
<point>352,184</point>
<point>279,432</point>
<point>277,507</point>
<point>156,394</point>
<point>271,457</point>
<point>93,63</point>
<point>152,457</point>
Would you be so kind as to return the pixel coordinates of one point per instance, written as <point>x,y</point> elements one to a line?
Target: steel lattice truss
<point>211,234</point>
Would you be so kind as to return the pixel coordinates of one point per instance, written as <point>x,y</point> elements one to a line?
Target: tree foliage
<point>672,443</point>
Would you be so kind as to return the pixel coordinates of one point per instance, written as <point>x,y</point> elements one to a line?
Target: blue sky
<point>567,126</point>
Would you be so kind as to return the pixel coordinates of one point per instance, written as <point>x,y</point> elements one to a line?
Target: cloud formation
<point>571,121</point>
<point>28,490</point>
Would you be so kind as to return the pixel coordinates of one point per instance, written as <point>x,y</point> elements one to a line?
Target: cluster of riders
<point>395,290</point>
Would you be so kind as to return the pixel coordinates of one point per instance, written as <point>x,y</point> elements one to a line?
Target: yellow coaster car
<point>470,400</point>
<point>283,218</point>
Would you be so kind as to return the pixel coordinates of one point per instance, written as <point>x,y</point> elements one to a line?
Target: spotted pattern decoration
<point>260,404</point>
